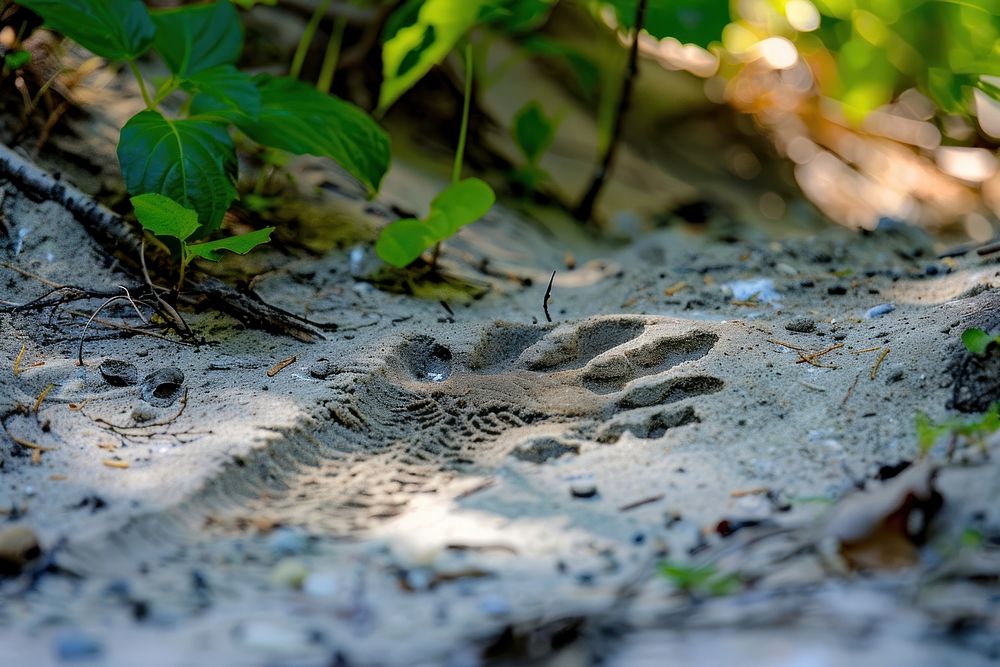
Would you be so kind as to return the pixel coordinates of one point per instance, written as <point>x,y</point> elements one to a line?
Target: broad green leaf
<point>241,244</point>
<point>533,131</point>
<point>198,37</point>
<point>223,92</point>
<point>113,29</point>
<point>691,22</point>
<point>191,161</point>
<point>403,241</point>
<point>297,118</point>
<point>413,48</point>
<point>458,205</point>
<point>163,216</point>
<point>976,340</point>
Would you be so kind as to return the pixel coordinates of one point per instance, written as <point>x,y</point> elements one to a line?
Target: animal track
<point>433,411</point>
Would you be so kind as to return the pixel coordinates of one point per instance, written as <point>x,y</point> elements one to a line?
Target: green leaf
<point>163,216</point>
<point>297,118</point>
<point>241,244</point>
<point>457,205</point>
<point>533,131</point>
<point>704,579</point>
<point>223,92</point>
<point>415,44</point>
<point>113,29</point>
<point>976,340</point>
<point>191,161</point>
<point>17,59</point>
<point>198,37</point>
<point>691,22</point>
<point>403,241</point>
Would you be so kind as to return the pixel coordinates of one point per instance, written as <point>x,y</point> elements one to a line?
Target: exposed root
<point>117,235</point>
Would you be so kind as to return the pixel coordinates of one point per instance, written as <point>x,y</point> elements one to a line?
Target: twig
<point>280,366</point>
<point>83,336</point>
<point>548,295</point>
<point>811,358</point>
<point>639,503</point>
<point>585,209</point>
<point>850,390</point>
<point>28,443</point>
<point>988,249</point>
<point>808,356</point>
<point>29,274</point>
<point>878,362</point>
<point>179,323</point>
<point>134,330</point>
<point>18,358</point>
<point>115,233</point>
<point>41,397</point>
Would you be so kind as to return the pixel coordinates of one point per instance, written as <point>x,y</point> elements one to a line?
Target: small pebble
<point>583,489</point>
<point>287,542</point>
<point>321,369</point>
<point>879,310</point>
<point>321,585</point>
<point>273,637</point>
<point>18,547</point>
<point>836,290</point>
<point>494,605</point>
<point>74,645</point>
<point>801,325</point>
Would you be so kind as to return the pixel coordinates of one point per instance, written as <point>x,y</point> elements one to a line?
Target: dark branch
<point>585,209</point>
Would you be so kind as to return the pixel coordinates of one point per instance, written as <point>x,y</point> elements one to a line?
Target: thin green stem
<point>332,56</point>
<point>142,85</point>
<point>306,40</point>
<point>185,258</point>
<point>456,172</point>
<point>463,133</point>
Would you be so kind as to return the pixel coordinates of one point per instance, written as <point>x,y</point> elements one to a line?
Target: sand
<point>434,483</point>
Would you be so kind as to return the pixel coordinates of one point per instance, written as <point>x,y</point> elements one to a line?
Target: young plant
<point>973,430</point>
<point>700,579</point>
<point>190,158</point>
<point>163,217</point>
<point>978,341</point>
<point>461,203</point>
<point>533,131</point>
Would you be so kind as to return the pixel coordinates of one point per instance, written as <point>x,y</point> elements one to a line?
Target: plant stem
<point>585,209</point>
<point>332,56</point>
<point>185,258</point>
<point>306,40</point>
<point>463,133</point>
<point>142,85</point>
<point>456,172</point>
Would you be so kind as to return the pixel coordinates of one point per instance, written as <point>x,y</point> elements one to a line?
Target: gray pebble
<point>879,310</point>
<point>74,645</point>
<point>321,369</point>
<point>583,488</point>
<point>494,605</point>
<point>287,542</point>
<point>801,325</point>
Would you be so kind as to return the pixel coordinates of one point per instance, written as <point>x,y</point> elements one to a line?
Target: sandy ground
<point>451,479</point>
